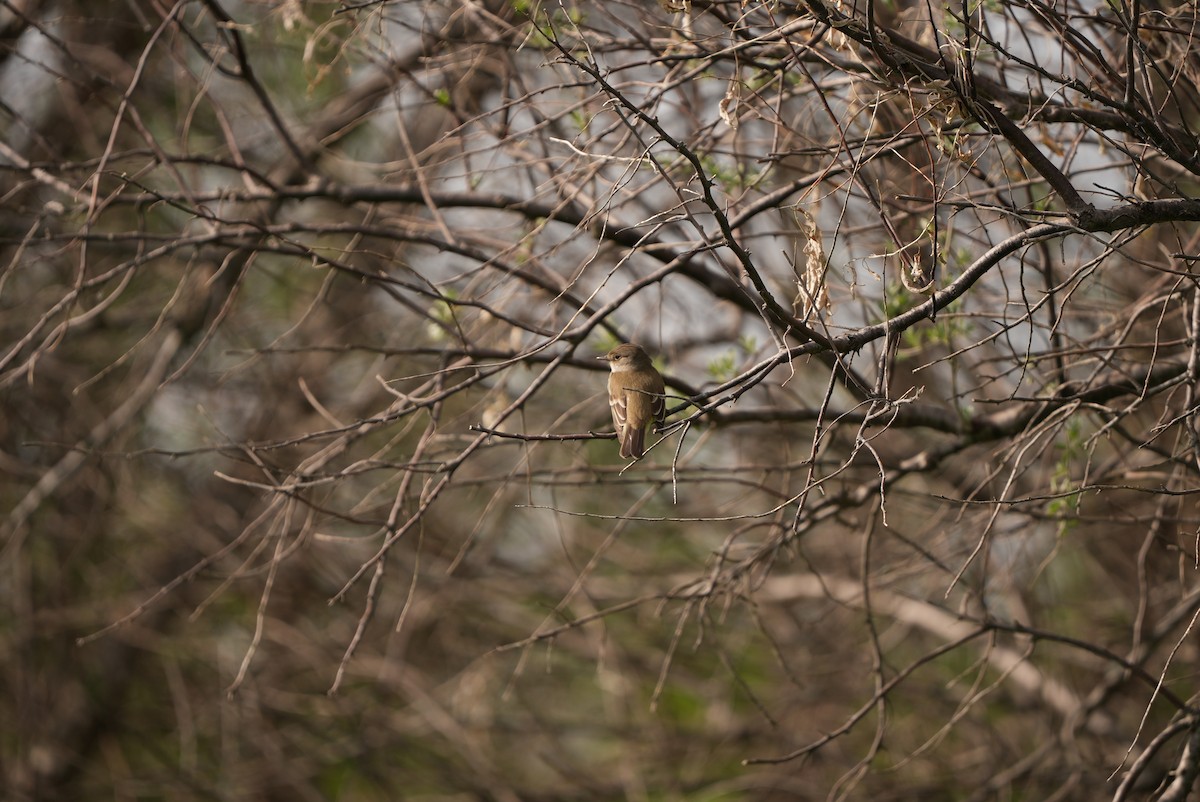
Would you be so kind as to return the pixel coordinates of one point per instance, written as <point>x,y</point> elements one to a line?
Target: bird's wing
<point>616,403</point>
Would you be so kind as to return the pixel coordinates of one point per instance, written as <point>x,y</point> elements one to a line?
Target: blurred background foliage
<point>303,465</point>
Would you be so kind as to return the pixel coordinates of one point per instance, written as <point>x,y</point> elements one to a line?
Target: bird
<point>635,396</point>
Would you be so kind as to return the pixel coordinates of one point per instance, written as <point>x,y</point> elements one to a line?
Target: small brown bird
<point>635,396</point>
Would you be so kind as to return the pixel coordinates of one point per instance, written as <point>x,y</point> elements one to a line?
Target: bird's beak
<point>605,357</point>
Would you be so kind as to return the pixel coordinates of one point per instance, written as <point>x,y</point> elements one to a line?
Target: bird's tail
<point>634,444</point>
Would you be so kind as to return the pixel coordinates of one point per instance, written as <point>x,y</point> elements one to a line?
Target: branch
<point>1188,767</point>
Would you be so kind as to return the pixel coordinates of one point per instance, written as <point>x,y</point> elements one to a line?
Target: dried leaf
<point>728,107</point>
<point>812,295</point>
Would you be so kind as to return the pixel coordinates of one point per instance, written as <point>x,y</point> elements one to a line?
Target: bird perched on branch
<point>635,396</point>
